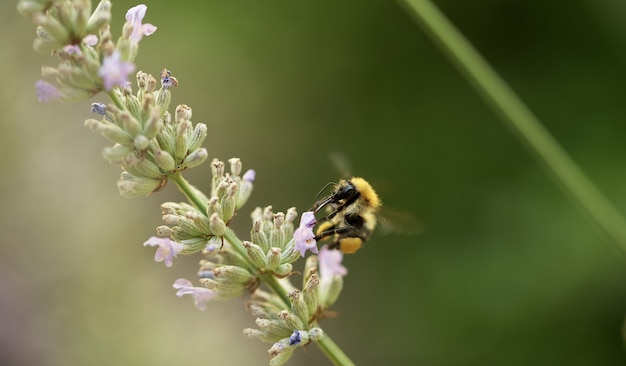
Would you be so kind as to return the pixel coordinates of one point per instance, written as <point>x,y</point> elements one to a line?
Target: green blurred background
<point>508,271</point>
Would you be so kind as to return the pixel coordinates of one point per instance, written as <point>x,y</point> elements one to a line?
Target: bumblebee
<point>354,206</point>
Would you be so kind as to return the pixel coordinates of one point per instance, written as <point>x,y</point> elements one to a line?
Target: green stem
<point>190,192</point>
<point>332,351</point>
<point>270,281</point>
<point>118,103</point>
<point>517,116</point>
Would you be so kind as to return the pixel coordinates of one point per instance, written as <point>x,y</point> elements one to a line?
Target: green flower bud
<point>166,139</point>
<point>45,45</point>
<point>133,106</point>
<point>260,335</point>
<point>164,97</point>
<point>75,77</point>
<point>291,254</point>
<point>290,320</point>
<point>164,160</point>
<point>316,334</point>
<point>226,290</point>
<point>217,170</point>
<point>331,291</point>
<point>100,17</point>
<point>214,207</point>
<point>273,258</point>
<point>256,255</point>
<point>299,306</point>
<point>200,221</point>
<point>226,192</point>
<point>280,353</point>
<point>141,142</point>
<point>133,186</point>
<point>164,231</point>
<point>193,245</point>
<point>235,166</point>
<point>196,158</point>
<point>182,113</point>
<point>309,293</point>
<point>31,7</point>
<point>180,142</point>
<point>171,219</point>
<point>153,125</point>
<point>109,130</point>
<point>188,229</point>
<point>217,225</point>
<point>129,123</point>
<point>277,238</point>
<point>53,28</point>
<point>259,236</point>
<point>141,167</point>
<point>232,274</point>
<point>116,153</point>
<point>310,268</point>
<point>284,269</point>
<point>198,136</point>
<point>274,327</point>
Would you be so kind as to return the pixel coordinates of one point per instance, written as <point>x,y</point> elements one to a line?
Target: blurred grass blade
<point>513,113</point>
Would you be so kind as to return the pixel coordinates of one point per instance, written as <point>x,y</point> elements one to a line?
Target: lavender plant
<point>153,147</point>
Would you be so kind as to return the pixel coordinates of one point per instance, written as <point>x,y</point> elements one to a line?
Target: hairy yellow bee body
<point>353,207</point>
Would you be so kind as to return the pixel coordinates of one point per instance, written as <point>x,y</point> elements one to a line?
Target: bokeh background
<point>508,270</point>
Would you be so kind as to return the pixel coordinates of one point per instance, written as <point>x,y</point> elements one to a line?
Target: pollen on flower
<point>304,236</point>
<point>201,295</point>
<point>166,251</point>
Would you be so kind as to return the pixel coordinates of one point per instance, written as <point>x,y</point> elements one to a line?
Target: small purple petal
<point>166,251</point>
<point>90,40</point>
<point>201,295</point>
<point>249,176</point>
<point>304,235</point>
<point>114,71</point>
<point>46,91</point>
<point>330,263</point>
<point>308,219</point>
<point>134,16</point>
<point>99,108</point>
<point>295,338</point>
<point>72,49</point>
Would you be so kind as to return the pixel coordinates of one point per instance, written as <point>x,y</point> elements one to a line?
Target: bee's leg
<point>346,231</point>
<point>332,214</point>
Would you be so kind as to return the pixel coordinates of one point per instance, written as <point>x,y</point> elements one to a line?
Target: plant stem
<point>118,103</point>
<point>190,192</point>
<point>332,351</point>
<point>519,118</point>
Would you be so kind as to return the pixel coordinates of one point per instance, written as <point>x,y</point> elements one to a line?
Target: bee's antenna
<point>323,189</point>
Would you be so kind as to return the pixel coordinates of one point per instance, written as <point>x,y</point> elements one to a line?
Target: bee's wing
<point>392,220</point>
